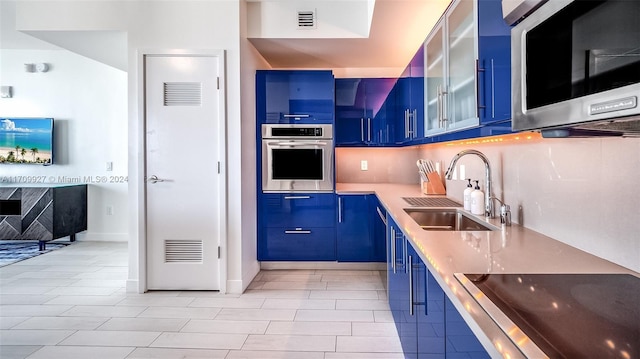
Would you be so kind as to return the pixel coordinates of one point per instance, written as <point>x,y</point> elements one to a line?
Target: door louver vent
<point>183,251</point>
<point>182,93</point>
<point>306,19</point>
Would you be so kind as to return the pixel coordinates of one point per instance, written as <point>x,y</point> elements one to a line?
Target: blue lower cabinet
<point>379,214</point>
<point>395,272</point>
<point>428,299</point>
<point>428,324</point>
<point>297,227</point>
<point>358,221</point>
<point>461,342</point>
<point>298,244</point>
<point>298,209</point>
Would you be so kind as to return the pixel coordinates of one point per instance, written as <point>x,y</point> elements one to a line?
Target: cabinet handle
<point>493,91</point>
<point>297,197</point>
<point>393,248</point>
<point>299,116</point>
<point>426,291</point>
<point>406,123</point>
<point>384,220</point>
<point>297,231</point>
<point>362,129</point>
<point>369,129</point>
<point>445,112</point>
<point>404,255</point>
<point>410,286</point>
<point>477,83</point>
<point>339,210</point>
<point>415,123</point>
<point>438,106</point>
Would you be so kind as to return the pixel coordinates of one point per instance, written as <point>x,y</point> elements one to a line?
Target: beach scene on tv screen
<point>25,140</point>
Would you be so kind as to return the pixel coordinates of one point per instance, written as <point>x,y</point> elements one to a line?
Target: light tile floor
<point>71,303</point>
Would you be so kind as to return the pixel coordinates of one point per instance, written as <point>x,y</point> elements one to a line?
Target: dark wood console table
<point>43,213</point>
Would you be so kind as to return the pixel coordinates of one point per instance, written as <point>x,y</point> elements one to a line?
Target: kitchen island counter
<point>514,249</point>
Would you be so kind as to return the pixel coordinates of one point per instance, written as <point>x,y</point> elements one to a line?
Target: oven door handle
<point>296,144</point>
<point>294,116</point>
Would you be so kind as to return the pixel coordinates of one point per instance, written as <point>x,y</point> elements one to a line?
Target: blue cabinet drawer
<point>305,96</point>
<point>298,210</point>
<point>298,244</point>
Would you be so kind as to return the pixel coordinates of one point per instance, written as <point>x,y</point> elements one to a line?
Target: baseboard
<point>251,273</point>
<point>132,286</point>
<point>102,237</point>
<point>324,265</point>
<point>234,286</point>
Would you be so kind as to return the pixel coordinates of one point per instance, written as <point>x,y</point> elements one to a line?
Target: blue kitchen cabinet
<point>461,342</point>
<point>360,117</point>
<point>429,310</point>
<point>379,229</point>
<point>428,324</point>
<point>357,240</point>
<point>295,96</point>
<point>297,226</point>
<point>410,100</point>
<point>468,68</point>
<point>398,289</point>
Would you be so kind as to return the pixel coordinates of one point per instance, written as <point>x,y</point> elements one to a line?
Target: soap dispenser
<point>477,200</point>
<point>467,195</point>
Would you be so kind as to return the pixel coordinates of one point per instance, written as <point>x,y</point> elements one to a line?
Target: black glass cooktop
<point>570,315</point>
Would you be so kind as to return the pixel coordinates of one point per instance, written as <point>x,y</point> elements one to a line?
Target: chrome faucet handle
<point>505,211</point>
<point>505,214</point>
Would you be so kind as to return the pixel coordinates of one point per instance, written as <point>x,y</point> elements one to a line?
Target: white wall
<point>250,61</point>
<point>334,19</point>
<point>171,26</point>
<point>89,103</point>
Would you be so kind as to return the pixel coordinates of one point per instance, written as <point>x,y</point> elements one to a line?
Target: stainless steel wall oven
<point>297,158</point>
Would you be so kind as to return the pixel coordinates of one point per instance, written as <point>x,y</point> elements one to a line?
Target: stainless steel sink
<point>438,219</point>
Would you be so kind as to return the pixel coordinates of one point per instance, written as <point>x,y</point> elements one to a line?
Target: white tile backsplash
<point>583,192</point>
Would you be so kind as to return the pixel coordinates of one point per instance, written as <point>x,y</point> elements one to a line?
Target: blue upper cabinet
<point>297,96</point>
<point>361,118</point>
<point>468,68</point>
<point>410,101</point>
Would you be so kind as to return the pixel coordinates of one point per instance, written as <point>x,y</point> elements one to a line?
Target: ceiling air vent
<point>183,251</point>
<point>306,19</point>
<point>182,93</point>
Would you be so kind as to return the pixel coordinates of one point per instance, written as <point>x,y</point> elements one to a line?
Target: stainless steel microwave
<point>576,65</point>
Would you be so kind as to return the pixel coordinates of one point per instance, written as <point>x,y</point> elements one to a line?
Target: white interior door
<point>183,137</point>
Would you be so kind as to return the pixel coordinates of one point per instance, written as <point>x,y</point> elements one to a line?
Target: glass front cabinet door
<point>467,66</point>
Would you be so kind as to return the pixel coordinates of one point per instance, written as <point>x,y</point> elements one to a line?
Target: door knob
<point>154,179</point>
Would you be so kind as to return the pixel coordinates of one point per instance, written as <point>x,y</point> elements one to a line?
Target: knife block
<point>434,185</point>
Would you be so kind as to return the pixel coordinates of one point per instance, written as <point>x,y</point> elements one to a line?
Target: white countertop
<point>513,250</point>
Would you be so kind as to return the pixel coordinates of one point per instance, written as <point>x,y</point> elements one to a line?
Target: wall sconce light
<point>5,92</point>
<point>39,67</point>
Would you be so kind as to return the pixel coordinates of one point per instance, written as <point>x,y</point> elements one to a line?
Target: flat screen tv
<point>26,140</point>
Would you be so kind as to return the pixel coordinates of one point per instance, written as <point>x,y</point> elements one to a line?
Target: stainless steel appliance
<point>576,68</point>
<point>297,158</point>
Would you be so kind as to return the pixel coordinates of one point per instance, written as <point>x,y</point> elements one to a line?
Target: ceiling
<point>398,27</point>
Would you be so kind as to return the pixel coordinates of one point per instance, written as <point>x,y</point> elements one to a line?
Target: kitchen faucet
<point>488,203</point>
